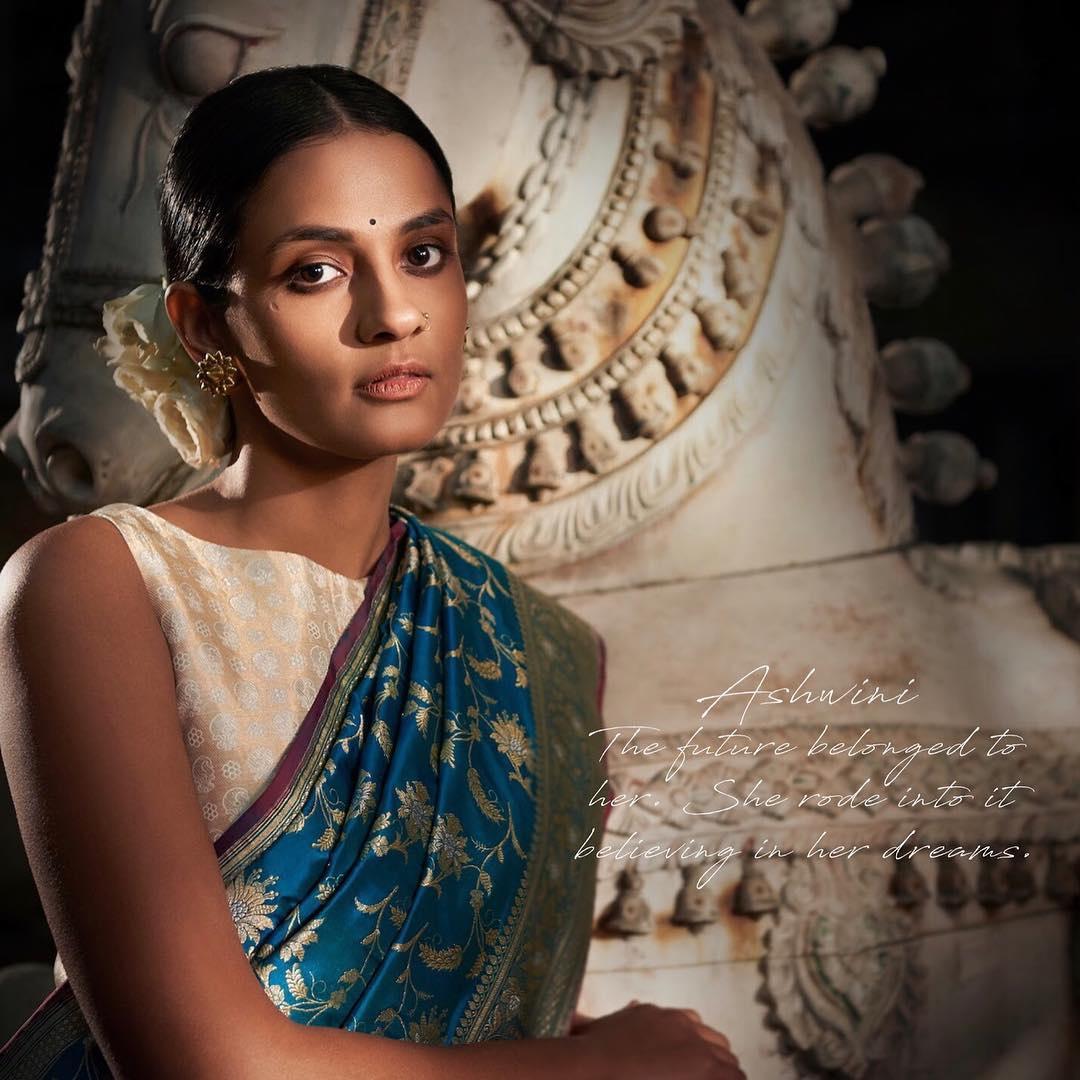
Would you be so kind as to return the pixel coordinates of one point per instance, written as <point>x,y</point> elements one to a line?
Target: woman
<point>397,860</point>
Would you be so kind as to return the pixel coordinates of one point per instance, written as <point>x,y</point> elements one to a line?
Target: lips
<point>396,369</point>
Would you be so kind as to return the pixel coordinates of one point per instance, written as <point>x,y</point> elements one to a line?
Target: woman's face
<point>344,244</point>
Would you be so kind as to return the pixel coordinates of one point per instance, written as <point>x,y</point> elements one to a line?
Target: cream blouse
<point>250,633</point>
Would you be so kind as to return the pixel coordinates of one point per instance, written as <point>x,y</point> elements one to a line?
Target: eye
<point>311,275</point>
<point>444,255</point>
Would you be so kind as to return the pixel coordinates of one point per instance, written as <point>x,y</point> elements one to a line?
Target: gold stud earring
<point>216,373</point>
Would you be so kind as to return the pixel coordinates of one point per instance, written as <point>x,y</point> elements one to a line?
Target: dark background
<point>977,97</point>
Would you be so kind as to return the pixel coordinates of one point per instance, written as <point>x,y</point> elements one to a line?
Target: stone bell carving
<point>598,438</point>
<point>1020,880</point>
<point>953,889</point>
<point>694,908</point>
<point>907,886</point>
<point>426,481</point>
<point>476,480</point>
<point>628,913</point>
<point>650,399</point>
<point>690,373</point>
<point>547,460</point>
<point>475,391</point>
<point>992,887</point>
<point>523,375</point>
<point>719,323</point>
<point>754,895</point>
<point>575,342</point>
<point>739,282</point>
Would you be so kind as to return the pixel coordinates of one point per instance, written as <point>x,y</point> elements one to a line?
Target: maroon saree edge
<point>55,1000</point>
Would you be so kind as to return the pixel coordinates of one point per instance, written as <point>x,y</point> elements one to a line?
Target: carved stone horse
<point>676,417</point>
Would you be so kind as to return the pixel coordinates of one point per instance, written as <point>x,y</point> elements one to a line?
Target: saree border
<point>576,665</point>
<point>60,1021</point>
<point>495,974</point>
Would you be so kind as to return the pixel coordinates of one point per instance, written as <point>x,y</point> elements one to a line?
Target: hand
<point>641,1041</point>
<point>579,1021</point>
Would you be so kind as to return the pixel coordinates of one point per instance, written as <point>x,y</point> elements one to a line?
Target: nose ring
<point>428,317</point>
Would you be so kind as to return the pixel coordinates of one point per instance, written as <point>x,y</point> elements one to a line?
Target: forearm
<point>298,1050</point>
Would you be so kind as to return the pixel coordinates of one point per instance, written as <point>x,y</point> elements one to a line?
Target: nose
<point>384,310</point>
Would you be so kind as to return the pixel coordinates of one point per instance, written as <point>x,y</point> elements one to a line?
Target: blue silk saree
<point>409,870</point>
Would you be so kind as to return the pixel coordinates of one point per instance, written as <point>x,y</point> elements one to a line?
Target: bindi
<point>372,221</point>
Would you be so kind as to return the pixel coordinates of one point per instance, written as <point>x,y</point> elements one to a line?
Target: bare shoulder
<point>66,594</point>
<point>65,563</point>
<point>103,792</point>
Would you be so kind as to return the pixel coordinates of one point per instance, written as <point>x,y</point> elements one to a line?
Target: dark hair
<point>233,135</point>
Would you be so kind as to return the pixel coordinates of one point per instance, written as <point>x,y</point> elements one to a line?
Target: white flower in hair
<point>151,366</point>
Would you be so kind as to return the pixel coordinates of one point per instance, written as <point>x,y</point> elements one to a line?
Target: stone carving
<point>664,223</point>
<point>953,890</point>
<point>686,159</point>
<point>604,37</point>
<point>759,214</point>
<point>874,185</point>
<point>628,913</point>
<point>901,259</point>
<point>1059,594</point>
<point>923,375</point>
<point>786,28</point>
<point>945,467</point>
<point>754,895</point>
<point>386,41</point>
<point>540,188</point>
<point>694,908</point>
<point>1061,878</point>
<point>842,977</point>
<point>908,887</point>
<point>837,85</point>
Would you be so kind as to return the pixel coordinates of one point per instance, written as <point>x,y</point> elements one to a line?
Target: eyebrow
<point>435,216</point>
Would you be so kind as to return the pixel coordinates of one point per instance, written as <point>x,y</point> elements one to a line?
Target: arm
<point>126,872</point>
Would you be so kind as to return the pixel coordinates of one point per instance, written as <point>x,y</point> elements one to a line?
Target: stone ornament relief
<point>601,37</point>
<point>842,977</point>
<point>568,396</point>
<point>387,41</point>
<point>838,940</point>
<point>48,297</point>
